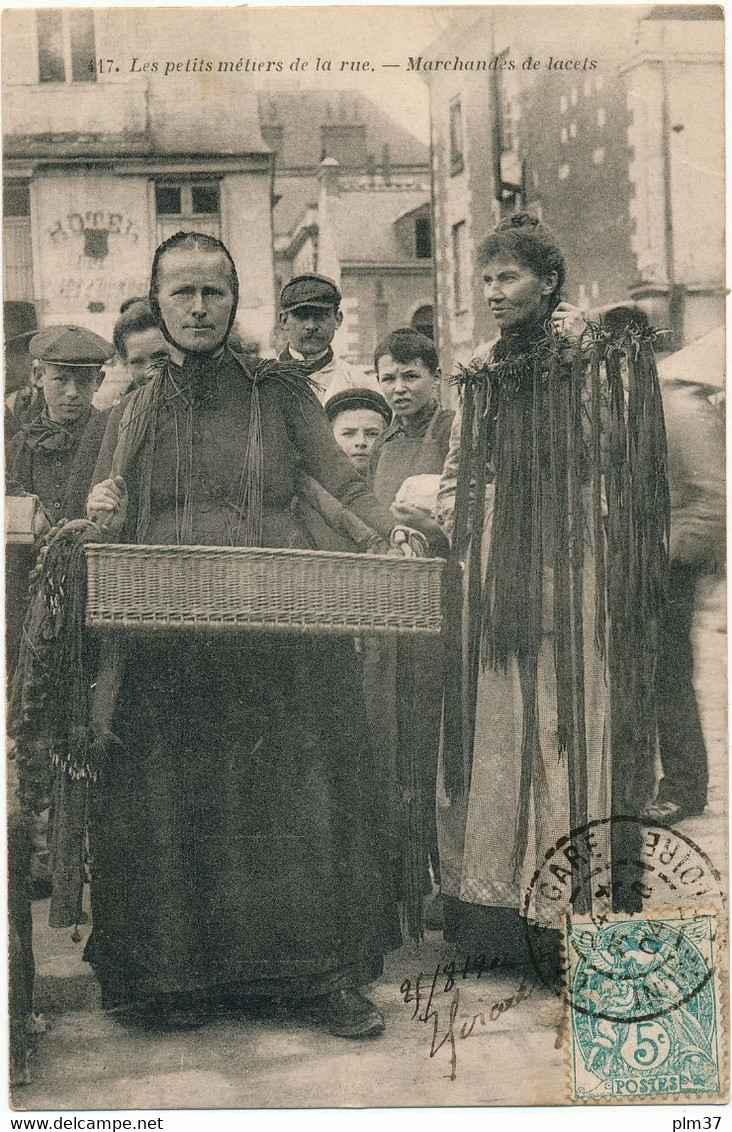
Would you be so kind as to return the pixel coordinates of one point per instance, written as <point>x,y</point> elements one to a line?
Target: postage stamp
<point>643,1007</point>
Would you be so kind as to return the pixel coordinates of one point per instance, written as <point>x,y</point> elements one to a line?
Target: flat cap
<point>357,399</point>
<point>70,346</point>
<point>310,291</point>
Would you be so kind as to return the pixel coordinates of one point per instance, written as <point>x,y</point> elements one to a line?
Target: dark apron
<point>403,685</point>
<point>404,457</point>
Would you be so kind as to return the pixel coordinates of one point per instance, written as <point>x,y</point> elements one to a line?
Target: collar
<point>301,357</point>
<point>313,365</point>
<point>178,356</point>
<point>519,340</point>
<point>52,436</point>
<point>197,379</point>
<point>412,427</point>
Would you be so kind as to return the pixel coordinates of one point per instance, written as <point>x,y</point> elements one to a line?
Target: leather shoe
<point>349,1014</point>
<point>669,813</point>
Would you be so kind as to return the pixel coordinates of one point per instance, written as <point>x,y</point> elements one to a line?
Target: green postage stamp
<point>643,998</point>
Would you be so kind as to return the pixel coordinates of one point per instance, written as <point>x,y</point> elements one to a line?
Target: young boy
<point>53,456</point>
<point>417,441</point>
<point>358,417</point>
<point>415,444</point>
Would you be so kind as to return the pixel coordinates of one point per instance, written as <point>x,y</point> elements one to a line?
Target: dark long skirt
<point>237,841</point>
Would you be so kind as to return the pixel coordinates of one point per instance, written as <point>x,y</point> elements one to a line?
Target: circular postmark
<point>635,968</point>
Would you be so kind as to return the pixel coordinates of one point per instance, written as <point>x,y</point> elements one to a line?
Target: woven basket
<point>169,587</point>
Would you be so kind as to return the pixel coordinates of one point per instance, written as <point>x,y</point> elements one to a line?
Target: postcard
<point>365,578</point>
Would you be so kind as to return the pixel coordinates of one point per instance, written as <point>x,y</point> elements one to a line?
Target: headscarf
<point>205,243</point>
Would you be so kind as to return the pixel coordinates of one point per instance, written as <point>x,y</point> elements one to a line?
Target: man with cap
<point>53,456</point>
<point>310,314</point>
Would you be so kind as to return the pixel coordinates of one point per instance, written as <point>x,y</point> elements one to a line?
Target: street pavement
<point>512,1053</point>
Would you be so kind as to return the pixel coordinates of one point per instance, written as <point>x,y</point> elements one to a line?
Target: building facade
<point>591,144</point>
<point>352,202</point>
<point>107,152</point>
<point>675,94</point>
<point>374,238</point>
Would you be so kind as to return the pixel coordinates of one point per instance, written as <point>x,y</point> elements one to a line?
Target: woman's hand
<point>107,504</point>
<point>405,542</point>
<point>569,321</point>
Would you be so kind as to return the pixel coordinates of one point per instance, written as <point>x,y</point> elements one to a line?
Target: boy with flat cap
<point>310,314</point>
<point>53,456</point>
<point>358,417</point>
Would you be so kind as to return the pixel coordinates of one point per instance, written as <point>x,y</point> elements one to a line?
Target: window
<point>423,237</point>
<point>563,172</point>
<point>66,46</point>
<point>423,320</point>
<point>274,136</point>
<point>598,156</point>
<point>563,104</point>
<point>573,129</point>
<point>564,135</point>
<point>507,111</point>
<point>16,198</point>
<point>460,266</point>
<point>573,96</point>
<point>599,82</point>
<point>601,116</point>
<point>17,243</point>
<point>168,199</point>
<point>587,87</point>
<point>456,136</point>
<point>51,66</point>
<point>205,199</point>
<point>187,207</point>
<point>595,289</point>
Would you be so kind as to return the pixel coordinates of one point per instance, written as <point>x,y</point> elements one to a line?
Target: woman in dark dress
<point>237,850</point>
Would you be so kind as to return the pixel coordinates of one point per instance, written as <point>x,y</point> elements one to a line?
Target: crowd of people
<point>246,833</point>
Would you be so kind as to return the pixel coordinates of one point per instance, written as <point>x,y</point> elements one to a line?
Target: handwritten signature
<point>455,1029</point>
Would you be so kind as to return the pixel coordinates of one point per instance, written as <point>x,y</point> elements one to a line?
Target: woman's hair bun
<point>519,220</point>
<point>526,238</point>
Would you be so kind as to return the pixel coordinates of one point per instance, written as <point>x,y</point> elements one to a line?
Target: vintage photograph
<point>365,569</point>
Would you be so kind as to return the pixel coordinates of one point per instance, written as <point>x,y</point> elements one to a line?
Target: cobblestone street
<point>87,1061</point>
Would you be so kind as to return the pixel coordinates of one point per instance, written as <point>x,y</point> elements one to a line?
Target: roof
<point>194,131</point>
<point>302,112</point>
<point>702,362</point>
<point>296,194</point>
<point>363,224</point>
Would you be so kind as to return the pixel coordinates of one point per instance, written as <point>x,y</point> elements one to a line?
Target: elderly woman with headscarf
<point>236,841</point>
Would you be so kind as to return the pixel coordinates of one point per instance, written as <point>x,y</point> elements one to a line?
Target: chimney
<point>328,261</point>
<point>328,172</point>
<point>386,164</point>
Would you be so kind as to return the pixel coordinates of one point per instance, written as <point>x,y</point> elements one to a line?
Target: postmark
<point>643,1006</point>
<point>653,867</point>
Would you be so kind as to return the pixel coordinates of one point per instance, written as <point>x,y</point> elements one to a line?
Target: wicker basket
<point>169,587</point>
